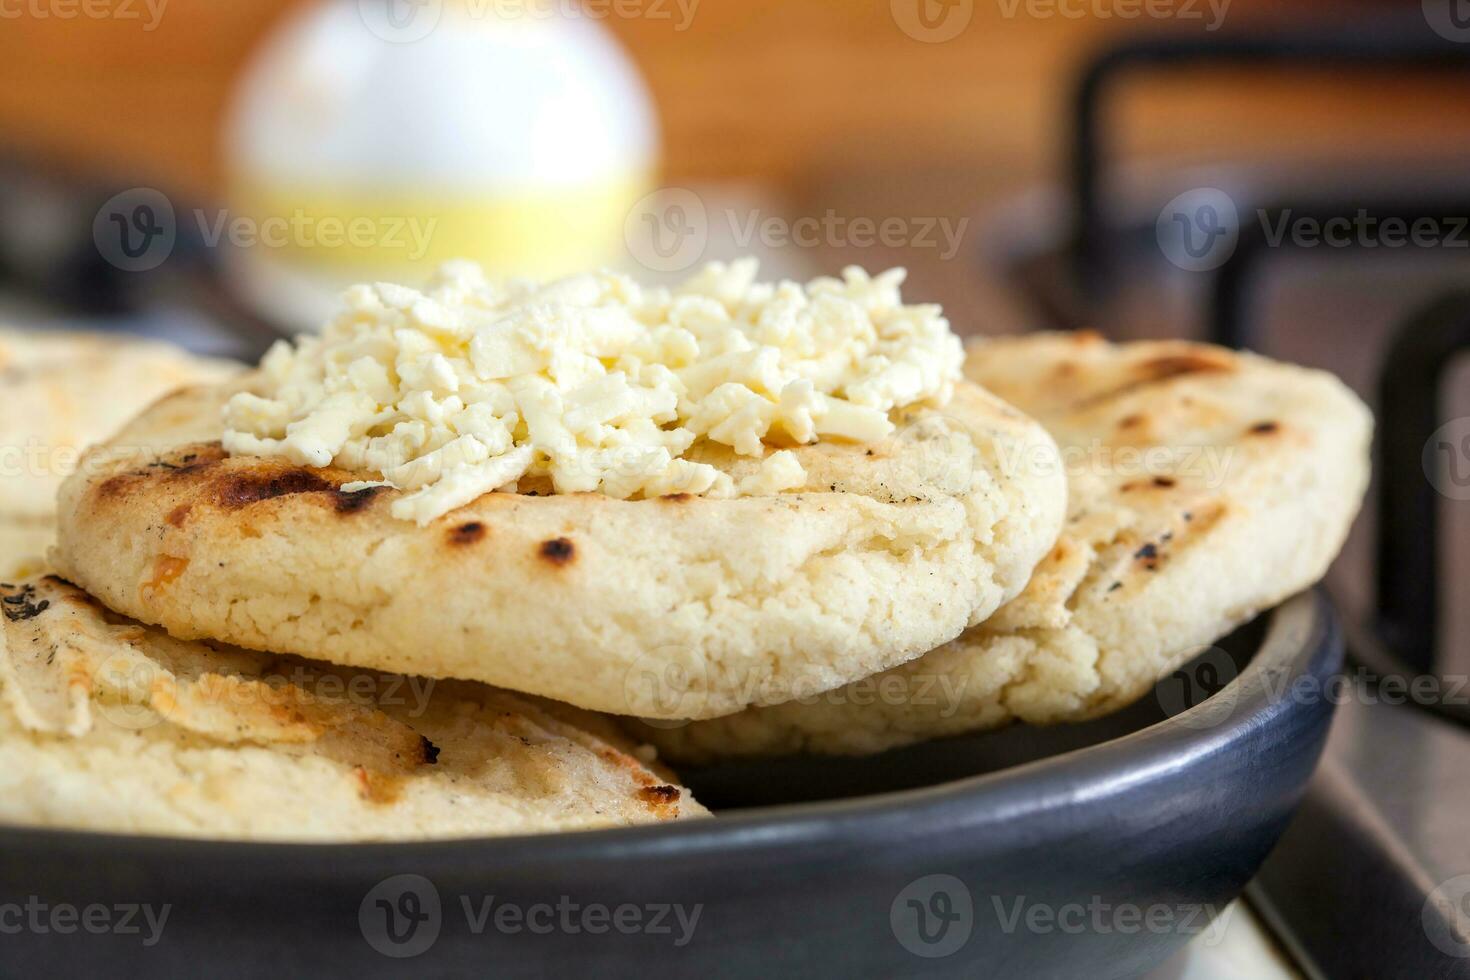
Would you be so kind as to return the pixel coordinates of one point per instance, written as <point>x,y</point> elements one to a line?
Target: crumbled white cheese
<point>594,381</point>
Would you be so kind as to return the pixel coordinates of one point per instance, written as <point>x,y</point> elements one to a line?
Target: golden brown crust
<point>208,739</point>
<point>650,607</point>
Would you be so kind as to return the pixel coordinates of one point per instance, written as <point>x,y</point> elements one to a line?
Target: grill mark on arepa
<point>357,500</point>
<point>196,460</point>
<point>1161,370</point>
<point>22,605</point>
<point>238,490</point>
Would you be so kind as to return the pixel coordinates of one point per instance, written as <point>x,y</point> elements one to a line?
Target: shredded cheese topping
<point>594,382</point>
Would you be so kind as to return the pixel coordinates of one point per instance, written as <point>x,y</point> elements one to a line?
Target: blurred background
<point>1243,170</point>
<point>910,109</point>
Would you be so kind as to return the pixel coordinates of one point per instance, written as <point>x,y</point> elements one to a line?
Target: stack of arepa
<point>478,558</point>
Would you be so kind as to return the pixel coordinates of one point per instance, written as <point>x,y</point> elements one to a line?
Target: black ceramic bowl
<point>1079,851</point>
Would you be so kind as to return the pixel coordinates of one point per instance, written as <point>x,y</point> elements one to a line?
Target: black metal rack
<point>1398,42</point>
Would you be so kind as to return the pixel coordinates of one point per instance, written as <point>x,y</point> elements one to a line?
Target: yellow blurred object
<point>374,139</point>
<point>537,233</point>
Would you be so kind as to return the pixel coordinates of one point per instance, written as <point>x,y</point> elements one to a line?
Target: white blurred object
<point>373,139</point>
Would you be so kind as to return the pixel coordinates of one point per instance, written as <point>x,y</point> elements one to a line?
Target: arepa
<point>1206,486</point>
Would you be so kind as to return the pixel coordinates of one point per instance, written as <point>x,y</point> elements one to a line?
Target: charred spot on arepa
<point>467,534</point>
<point>241,489</point>
<point>1162,369</point>
<point>73,595</point>
<point>21,604</point>
<point>356,500</point>
<point>116,487</point>
<point>196,459</point>
<point>558,551</point>
<point>659,796</point>
<point>1265,428</point>
<point>675,498</point>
